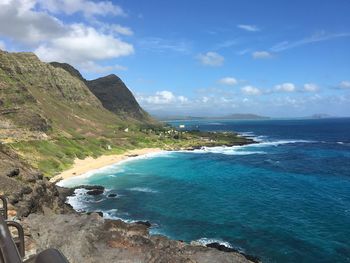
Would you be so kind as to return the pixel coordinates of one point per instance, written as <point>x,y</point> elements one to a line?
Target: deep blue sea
<point>286,199</point>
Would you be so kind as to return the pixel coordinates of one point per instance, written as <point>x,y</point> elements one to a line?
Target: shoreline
<point>82,166</point>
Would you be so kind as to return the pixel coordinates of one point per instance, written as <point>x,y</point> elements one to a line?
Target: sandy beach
<point>83,166</point>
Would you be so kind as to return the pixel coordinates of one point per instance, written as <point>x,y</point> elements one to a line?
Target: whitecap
<point>279,142</point>
<point>143,189</point>
<point>227,150</point>
<point>205,241</point>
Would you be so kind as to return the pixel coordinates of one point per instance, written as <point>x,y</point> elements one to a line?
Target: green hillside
<point>50,116</point>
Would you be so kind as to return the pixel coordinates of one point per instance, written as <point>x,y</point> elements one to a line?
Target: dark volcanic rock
<point>92,189</point>
<point>145,223</point>
<point>221,247</point>
<point>224,248</point>
<point>95,192</point>
<point>90,238</point>
<point>13,173</point>
<point>112,195</point>
<point>116,97</point>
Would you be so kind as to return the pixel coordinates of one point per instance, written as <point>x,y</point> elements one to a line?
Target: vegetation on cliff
<point>50,115</point>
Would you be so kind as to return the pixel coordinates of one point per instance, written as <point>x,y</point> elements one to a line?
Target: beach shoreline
<point>82,166</point>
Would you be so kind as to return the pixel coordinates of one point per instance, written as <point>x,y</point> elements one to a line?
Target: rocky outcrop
<point>90,239</point>
<point>27,190</point>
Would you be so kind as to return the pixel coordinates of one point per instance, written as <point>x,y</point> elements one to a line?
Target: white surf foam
<point>112,169</point>
<point>279,142</point>
<point>205,241</point>
<point>143,189</point>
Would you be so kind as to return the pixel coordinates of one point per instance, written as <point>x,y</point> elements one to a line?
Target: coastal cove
<point>242,196</point>
<point>83,166</point>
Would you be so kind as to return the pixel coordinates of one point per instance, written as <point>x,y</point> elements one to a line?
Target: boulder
<point>13,172</point>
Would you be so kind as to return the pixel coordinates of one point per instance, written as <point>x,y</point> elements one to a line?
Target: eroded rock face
<point>90,238</point>
<point>27,190</point>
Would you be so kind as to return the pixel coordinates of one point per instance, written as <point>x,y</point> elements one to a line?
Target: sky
<point>275,58</point>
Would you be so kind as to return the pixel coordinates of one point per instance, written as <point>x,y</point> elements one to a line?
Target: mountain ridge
<point>112,92</point>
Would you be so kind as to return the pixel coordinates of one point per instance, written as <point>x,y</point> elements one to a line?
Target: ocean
<point>284,199</point>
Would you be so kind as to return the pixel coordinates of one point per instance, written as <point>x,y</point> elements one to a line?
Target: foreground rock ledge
<point>90,239</point>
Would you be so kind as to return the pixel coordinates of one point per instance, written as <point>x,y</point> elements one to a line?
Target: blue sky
<point>275,58</point>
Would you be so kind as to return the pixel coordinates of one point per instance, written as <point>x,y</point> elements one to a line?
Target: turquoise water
<point>286,199</point>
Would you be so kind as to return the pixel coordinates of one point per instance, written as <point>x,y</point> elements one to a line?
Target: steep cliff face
<point>116,97</point>
<point>113,94</point>
<point>45,98</point>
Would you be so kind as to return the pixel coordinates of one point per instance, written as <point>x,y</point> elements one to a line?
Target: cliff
<point>113,94</point>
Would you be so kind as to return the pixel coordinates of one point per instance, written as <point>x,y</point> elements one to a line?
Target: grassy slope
<point>70,120</point>
<point>53,156</point>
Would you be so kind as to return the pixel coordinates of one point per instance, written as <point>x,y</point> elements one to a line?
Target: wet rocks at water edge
<point>92,189</point>
<point>224,248</point>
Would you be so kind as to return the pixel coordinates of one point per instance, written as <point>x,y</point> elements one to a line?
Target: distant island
<point>235,116</point>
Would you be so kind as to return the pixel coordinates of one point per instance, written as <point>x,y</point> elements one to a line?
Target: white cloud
<point>344,84</point>
<point>121,30</point>
<point>20,23</point>
<point>91,66</point>
<point>83,44</point>
<point>2,45</point>
<point>230,81</point>
<point>286,87</point>
<point>310,87</point>
<point>162,98</point>
<point>211,59</point>
<point>250,28</point>
<point>88,8</point>
<point>204,99</point>
<point>261,55</point>
<point>250,90</point>
<point>158,44</point>
<point>317,37</point>
<point>34,26</point>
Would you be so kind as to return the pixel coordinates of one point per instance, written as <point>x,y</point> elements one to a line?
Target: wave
<point>205,241</point>
<point>232,150</point>
<point>111,170</point>
<point>279,142</point>
<point>143,189</point>
<point>246,149</point>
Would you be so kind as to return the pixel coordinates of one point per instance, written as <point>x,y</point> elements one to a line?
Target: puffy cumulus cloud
<point>164,97</point>
<point>250,28</point>
<point>88,8</point>
<point>83,44</point>
<point>34,26</point>
<point>261,55</point>
<point>211,59</point>
<point>311,87</point>
<point>20,23</point>
<point>285,87</point>
<point>230,81</point>
<point>250,90</point>
<point>344,84</point>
